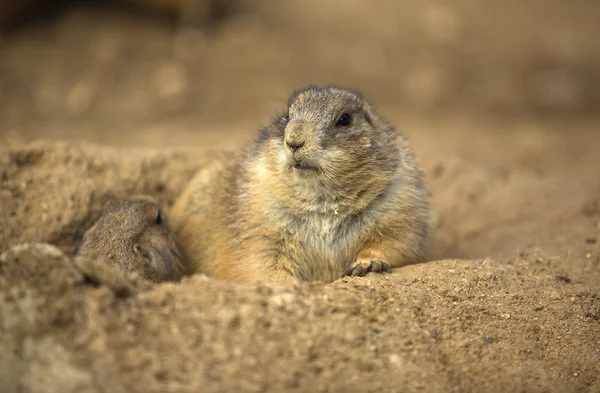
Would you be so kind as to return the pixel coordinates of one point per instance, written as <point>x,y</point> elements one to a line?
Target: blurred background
<point>477,77</point>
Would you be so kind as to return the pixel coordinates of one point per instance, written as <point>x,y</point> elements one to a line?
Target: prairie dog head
<point>133,236</point>
<point>331,131</point>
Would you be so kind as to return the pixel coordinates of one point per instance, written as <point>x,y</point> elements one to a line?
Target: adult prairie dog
<point>328,189</point>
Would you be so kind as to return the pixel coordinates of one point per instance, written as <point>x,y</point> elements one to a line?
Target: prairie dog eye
<point>344,120</point>
<point>159,218</point>
<point>143,254</point>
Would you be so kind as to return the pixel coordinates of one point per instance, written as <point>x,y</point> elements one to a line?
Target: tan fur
<point>309,199</point>
<point>132,235</point>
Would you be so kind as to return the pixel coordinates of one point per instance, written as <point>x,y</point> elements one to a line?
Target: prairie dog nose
<point>294,144</point>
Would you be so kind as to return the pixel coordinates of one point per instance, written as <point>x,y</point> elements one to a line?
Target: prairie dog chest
<point>324,236</point>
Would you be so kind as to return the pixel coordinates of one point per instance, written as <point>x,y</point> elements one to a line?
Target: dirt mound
<point>524,318</point>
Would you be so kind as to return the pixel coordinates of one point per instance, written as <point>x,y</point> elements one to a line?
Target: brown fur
<point>341,200</point>
<point>133,236</point>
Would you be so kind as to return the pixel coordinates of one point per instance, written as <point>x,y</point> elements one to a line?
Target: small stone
<point>505,316</point>
<point>489,339</point>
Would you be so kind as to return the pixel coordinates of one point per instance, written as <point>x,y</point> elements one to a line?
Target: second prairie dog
<point>327,189</point>
<point>132,235</point>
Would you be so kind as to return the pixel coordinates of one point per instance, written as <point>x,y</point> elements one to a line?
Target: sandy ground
<point>520,311</point>
<point>510,301</point>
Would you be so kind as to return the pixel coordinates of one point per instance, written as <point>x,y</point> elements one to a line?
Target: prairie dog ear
<point>138,251</point>
<point>151,207</point>
<point>356,91</point>
<point>369,113</point>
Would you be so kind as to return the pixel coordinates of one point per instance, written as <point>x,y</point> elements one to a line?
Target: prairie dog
<point>328,189</point>
<point>133,236</point>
